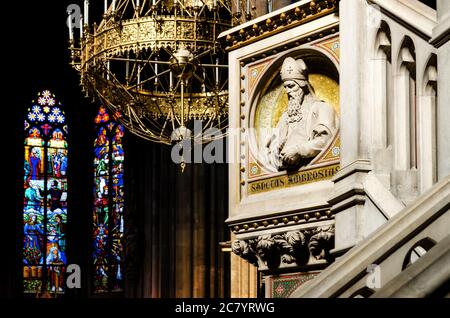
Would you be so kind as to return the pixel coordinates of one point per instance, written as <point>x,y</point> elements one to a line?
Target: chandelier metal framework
<point>157,65</point>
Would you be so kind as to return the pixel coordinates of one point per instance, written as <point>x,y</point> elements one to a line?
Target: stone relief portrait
<point>304,129</point>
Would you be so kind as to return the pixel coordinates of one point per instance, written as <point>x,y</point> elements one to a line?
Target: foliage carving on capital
<point>322,242</point>
<point>244,250</point>
<point>272,251</point>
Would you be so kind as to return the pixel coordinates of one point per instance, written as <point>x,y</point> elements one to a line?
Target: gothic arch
<point>430,75</point>
<point>383,110</point>
<point>383,44</point>
<point>406,143</point>
<point>407,55</point>
<point>429,121</point>
<point>418,250</point>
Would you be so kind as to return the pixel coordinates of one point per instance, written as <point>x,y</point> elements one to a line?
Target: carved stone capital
<point>322,242</point>
<point>295,248</point>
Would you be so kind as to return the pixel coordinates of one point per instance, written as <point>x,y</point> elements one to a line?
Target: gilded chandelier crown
<point>157,65</point>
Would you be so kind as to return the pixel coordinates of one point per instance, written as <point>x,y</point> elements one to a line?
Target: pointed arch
<point>406,149</point>
<point>429,128</point>
<point>383,110</point>
<point>383,45</point>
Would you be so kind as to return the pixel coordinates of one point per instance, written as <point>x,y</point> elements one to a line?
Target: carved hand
<point>291,156</point>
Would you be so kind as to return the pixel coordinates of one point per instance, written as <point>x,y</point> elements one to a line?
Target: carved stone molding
<point>274,251</point>
<point>300,217</point>
<point>295,16</point>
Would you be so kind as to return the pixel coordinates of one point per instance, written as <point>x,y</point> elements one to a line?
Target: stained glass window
<point>45,196</point>
<point>108,205</point>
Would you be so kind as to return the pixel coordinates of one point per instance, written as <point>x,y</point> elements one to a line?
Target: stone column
<point>348,197</point>
<point>353,81</point>
<point>244,277</point>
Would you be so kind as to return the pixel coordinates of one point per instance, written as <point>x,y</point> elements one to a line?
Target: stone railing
<point>394,247</point>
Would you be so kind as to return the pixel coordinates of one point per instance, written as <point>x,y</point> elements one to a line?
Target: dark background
<point>37,58</point>
<point>172,216</point>
<point>173,221</point>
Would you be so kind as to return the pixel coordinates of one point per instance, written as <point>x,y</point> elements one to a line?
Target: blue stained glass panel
<point>109,189</point>
<point>45,195</point>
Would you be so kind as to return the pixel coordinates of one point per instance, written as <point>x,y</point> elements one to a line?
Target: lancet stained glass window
<point>45,196</point>
<point>108,205</point>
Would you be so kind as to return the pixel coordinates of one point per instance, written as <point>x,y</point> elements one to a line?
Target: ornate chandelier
<point>157,65</point>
